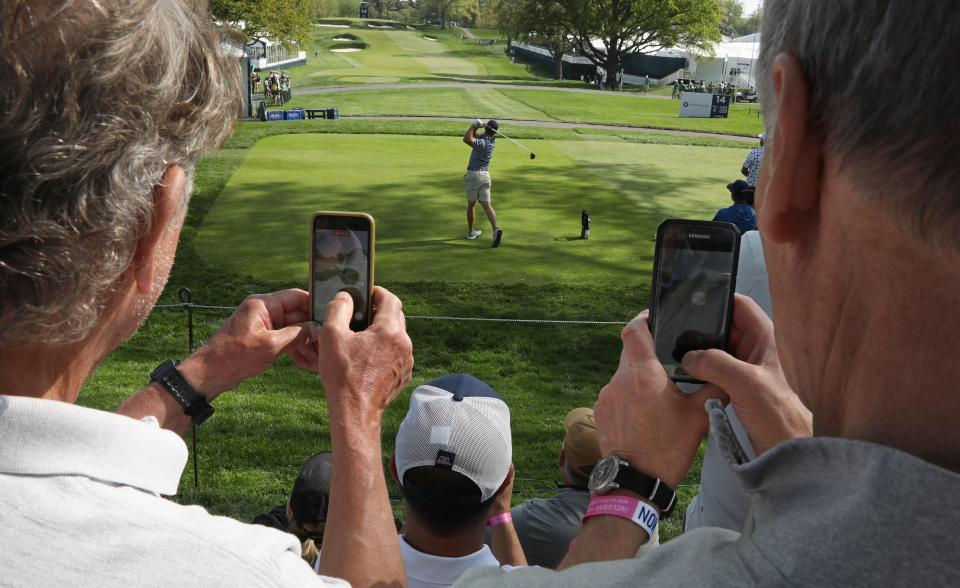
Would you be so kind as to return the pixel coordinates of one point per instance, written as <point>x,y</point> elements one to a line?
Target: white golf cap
<point>457,422</point>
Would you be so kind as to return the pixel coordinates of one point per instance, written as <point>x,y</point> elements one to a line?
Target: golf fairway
<point>412,185</point>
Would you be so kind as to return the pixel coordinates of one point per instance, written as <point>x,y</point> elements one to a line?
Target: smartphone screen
<point>341,261</point>
<point>692,296</point>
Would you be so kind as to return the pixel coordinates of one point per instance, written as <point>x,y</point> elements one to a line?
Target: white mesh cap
<point>457,422</point>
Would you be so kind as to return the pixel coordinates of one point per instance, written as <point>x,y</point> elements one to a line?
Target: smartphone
<point>691,300</point>
<point>341,260</point>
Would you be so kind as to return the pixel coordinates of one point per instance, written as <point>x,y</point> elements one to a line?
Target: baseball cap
<point>580,443</point>
<point>739,186</point>
<point>493,124</point>
<point>457,422</point>
<point>311,491</point>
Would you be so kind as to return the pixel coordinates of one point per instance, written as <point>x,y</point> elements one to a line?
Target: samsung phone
<point>691,301</point>
<point>341,260</point>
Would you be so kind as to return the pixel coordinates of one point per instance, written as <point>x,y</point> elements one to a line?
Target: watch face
<point>603,474</point>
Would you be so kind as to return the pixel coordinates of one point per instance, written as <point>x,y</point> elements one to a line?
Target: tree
<point>622,27</point>
<point>287,21</point>
<point>731,18</point>
<point>540,23</point>
<point>442,10</point>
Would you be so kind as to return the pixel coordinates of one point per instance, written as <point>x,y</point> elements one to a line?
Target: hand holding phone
<point>691,301</point>
<point>341,260</point>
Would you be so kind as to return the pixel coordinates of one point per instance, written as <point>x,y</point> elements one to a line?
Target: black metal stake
<point>186,299</point>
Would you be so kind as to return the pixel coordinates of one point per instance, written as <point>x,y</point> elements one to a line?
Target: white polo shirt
<point>432,571</point>
<point>80,505</point>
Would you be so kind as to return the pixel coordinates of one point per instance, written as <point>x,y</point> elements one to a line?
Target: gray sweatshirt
<point>824,512</point>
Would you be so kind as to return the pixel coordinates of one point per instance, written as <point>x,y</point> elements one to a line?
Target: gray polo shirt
<point>824,512</point>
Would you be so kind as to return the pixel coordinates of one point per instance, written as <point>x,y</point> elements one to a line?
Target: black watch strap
<point>194,404</point>
<point>653,489</point>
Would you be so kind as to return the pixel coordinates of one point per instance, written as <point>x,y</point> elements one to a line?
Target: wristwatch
<point>611,472</point>
<point>194,404</point>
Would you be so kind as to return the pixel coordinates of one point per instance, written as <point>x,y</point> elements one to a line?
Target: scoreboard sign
<point>720,107</point>
<point>701,105</point>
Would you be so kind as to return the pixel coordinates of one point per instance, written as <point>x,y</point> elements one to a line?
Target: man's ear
<point>789,198</point>
<point>167,200</point>
<point>562,459</point>
<point>393,469</point>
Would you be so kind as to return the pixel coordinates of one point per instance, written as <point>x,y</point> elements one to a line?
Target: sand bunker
<point>332,26</point>
<point>429,38</point>
<point>347,50</point>
<point>344,38</point>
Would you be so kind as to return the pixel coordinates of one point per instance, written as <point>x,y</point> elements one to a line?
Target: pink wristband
<point>500,519</point>
<point>625,507</point>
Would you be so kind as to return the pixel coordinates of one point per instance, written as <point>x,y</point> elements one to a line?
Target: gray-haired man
<point>859,210</point>
<point>99,142</point>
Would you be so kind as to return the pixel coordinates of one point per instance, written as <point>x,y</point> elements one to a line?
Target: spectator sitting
<point>305,513</point>
<point>740,213</point>
<point>453,460</point>
<point>546,527</point>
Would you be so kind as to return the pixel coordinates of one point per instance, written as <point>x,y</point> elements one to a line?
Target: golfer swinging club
<point>476,181</point>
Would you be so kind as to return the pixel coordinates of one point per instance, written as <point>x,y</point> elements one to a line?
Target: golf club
<point>497,131</point>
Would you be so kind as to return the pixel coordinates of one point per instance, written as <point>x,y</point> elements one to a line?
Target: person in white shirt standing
<point>453,460</point>
<point>100,143</point>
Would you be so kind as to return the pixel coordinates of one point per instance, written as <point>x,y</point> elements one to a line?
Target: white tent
<point>733,61</point>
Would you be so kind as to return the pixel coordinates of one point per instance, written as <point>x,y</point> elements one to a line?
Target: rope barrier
<point>420,317</point>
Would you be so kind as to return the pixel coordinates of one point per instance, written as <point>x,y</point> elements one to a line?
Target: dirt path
<point>468,85</point>
<point>564,125</point>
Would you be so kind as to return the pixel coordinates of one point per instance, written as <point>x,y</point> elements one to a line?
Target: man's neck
<point>423,540</point>
<point>891,360</point>
<point>53,373</point>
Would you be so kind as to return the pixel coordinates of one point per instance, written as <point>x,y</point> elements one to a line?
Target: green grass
<point>412,185</point>
<point>401,55</point>
<point>543,105</point>
<point>246,232</point>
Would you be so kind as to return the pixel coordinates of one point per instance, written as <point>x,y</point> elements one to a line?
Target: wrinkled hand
<point>753,379</point>
<point>641,415</point>
<point>363,372</point>
<point>259,331</point>
<point>503,502</point>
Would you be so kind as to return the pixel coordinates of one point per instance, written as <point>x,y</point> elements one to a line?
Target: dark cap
<point>493,124</point>
<point>739,186</point>
<point>311,492</point>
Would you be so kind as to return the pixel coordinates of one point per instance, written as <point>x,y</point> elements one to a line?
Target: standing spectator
<point>453,460</point>
<point>546,526</point>
<point>86,245</point>
<point>751,166</point>
<point>863,282</point>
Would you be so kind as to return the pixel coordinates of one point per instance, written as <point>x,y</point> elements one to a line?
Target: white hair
<point>99,97</point>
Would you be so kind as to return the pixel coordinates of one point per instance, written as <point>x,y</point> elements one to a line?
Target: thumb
<point>294,335</point>
<point>719,368</point>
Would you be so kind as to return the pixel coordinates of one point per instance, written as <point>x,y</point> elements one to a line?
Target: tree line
<point>604,31</point>
<point>607,31</point>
